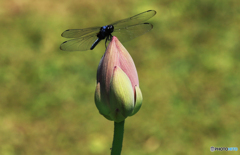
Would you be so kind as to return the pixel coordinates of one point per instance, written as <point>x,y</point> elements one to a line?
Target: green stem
<point>117,138</point>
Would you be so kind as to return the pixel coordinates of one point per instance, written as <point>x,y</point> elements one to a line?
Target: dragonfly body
<point>126,29</point>
<point>105,32</point>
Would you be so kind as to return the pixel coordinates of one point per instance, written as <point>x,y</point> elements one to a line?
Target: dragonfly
<point>125,30</point>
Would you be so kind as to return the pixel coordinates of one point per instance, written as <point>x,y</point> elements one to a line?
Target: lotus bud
<point>117,94</point>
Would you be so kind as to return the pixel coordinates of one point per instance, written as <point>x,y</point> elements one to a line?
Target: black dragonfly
<point>124,30</point>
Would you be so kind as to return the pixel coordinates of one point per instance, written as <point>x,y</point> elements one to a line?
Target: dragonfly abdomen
<point>95,43</point>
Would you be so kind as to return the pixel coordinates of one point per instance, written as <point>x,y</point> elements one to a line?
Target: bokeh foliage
<point>188,68</point>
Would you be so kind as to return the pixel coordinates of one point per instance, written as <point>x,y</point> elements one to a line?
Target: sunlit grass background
<point>188,66</point>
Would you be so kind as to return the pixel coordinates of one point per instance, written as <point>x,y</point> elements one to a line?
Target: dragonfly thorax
<point>105,31</point>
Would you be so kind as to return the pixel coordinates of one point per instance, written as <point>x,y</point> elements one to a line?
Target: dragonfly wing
<point>79,44</point>
<point>137,19</point>
<point>76,33</point>
<point>131,32</point>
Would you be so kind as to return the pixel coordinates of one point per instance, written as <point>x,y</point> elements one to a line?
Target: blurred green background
<point>188,68</point>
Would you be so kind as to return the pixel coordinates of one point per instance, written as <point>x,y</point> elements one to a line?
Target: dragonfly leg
<point>106,41</point>
<point>109,38</point>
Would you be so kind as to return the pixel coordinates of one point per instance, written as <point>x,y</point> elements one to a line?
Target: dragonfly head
<point>110,29</point>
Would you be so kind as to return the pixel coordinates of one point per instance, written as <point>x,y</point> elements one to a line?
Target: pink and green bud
<point>117,94</point>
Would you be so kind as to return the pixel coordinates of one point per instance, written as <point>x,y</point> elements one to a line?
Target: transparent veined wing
<point>76,33</point>
<point>131,32</point>
<point>79,44</point>
<point>134,20</point>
